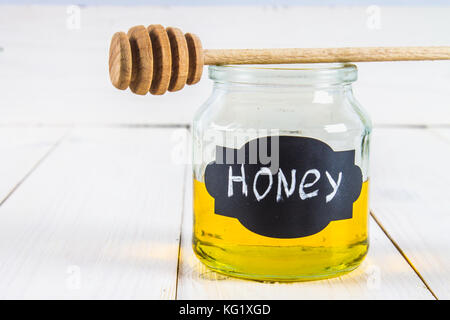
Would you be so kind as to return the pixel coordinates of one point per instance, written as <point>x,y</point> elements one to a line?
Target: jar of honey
<point>281,181</point>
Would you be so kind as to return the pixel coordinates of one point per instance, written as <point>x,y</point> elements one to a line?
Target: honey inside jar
<point>225,246</point>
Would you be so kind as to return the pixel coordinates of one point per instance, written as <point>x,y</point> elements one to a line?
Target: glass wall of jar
<point>304,101</point>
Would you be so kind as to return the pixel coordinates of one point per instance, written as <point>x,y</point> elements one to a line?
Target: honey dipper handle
<point>313,55</point>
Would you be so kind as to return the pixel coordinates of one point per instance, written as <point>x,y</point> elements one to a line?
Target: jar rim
<point>282,74</point>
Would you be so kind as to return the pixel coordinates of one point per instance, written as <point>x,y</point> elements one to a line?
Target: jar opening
<point>285,75</point>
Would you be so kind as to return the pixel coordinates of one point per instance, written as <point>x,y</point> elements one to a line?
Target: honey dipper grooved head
<point>162,59</point>
<point>155,59</point>
<point>142,60</point>
<point>180,59</point>
<point>120,61</point>
<point>195,58</point>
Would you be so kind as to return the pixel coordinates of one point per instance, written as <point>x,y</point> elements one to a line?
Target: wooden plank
<point>384,274</point>
<point>21,150</point>
<point>99,219</point>
<point>410,198</point>
<point>443,132</point>
<point>67,61</point>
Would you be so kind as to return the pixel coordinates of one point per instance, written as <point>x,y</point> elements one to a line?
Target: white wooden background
<point>93,203</point>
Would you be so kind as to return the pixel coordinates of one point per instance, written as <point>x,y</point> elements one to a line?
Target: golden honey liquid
<point>226,246</point>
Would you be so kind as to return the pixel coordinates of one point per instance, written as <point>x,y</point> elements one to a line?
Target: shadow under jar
<point>281,179</point>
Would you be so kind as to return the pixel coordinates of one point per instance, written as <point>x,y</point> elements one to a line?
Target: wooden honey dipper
<point>157,59</point>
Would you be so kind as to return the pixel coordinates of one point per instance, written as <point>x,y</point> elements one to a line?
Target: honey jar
<point>281,181</point>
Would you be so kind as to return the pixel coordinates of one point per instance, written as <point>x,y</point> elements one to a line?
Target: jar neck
<point>248,94</point>
<point>284,78</point>
<point>281,89</point>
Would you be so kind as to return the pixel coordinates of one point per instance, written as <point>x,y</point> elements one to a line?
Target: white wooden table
<point>94,206</point>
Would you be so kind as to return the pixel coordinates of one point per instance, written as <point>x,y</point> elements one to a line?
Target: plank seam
<point>439,135</point>
<point>97,125</point>
<point>402,253</point>
<point>183,212</point>
<point>412,126</point>
<point>181,231</point>
<point>133,125</point>
<point>34,167</point>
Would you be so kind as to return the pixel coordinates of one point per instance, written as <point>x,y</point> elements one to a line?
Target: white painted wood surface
<point>21,149</point>
<point>445,133</point>
<point>384,274</point>
<point>59,63</point>
<point>99,215</point>
<point>410,197</point>
<point>99,218</point>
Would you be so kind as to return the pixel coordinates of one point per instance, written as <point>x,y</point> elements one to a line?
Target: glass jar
<point>281,181</point>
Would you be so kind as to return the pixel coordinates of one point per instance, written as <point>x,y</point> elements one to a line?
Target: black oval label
<point>284,186</point>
